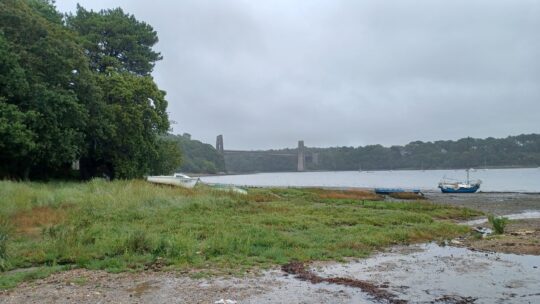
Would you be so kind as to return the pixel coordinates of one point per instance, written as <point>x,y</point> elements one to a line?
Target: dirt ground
<point>85,286</point>
<point>489,202</point>
<point>520,237</point>
<point>274,286</point>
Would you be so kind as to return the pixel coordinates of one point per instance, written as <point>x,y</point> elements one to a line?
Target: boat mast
<point>468,176</point>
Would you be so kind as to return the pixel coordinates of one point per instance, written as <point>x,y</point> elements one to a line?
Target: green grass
<point>498,223</point>
<point>12,279</point>
<point>127,225</point>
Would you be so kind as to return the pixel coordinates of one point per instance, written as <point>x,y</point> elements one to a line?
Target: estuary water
<point>493,180</point>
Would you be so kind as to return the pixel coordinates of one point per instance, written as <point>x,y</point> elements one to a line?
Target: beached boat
<point>453,186</point>
<point>178,179</point>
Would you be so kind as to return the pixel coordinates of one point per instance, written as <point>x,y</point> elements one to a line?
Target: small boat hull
<point>459,188</point>
<point>173,181</point>
<point>468,186</point>
<point>450,189</point>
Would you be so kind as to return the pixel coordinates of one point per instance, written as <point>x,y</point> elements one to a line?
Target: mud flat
<point>430,273</point>
<point>499,203</point>
<point>426,273</point>
<point>522,235</point>
<point>84,286</point>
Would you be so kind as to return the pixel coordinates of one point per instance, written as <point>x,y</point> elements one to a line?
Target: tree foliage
<point>135,116</point>
<point>198,157</point>
<point>169,157</point>
<point>513,151</point>
<point>41,66</point>
<point>114,39</point>
<point>79,89</point>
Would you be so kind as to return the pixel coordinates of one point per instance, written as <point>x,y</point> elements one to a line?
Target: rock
<point>223,301</point>
<point>483,230</point>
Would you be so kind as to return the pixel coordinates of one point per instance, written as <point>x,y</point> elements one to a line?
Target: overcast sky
<point>344,73</point>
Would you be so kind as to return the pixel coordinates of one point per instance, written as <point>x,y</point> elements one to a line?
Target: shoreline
<point>494,181</point>
<point>424,191</point>
<point>373,170</point>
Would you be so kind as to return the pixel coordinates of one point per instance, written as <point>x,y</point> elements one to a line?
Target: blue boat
<point>395,190</point>
<point>447,186</point>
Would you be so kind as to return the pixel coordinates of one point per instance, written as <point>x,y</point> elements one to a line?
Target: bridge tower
<point>301,156</point>
<point>219,144</point>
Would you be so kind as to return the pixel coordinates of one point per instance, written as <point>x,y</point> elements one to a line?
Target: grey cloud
<point>268,73</point>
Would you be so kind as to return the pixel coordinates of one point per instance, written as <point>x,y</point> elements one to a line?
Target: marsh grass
<point>349,194</point>
<point>407,196</point>
<point>498,223</point>
<point>131,225</point>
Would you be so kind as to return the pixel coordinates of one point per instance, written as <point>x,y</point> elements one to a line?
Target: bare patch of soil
<point>489,202</point>
<point>32,221</point>
<point>350,194</point>
<point>87,286</point>
<point>520,237</point>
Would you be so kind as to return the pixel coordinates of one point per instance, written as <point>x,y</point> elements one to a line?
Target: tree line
<point>77,89</point>
<point>197,157</point>
<point>512,151</point>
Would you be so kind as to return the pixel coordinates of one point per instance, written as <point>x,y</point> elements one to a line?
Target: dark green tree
<point>42,66</point>
<point>168,157</point>
<point>80,90</point>
<point>114,39</point>
<point>136,115</point>
<point>197,157</point>
<point>131,109</point>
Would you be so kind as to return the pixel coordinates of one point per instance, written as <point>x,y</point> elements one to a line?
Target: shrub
<point>138,242</point>
<point>498,223</point>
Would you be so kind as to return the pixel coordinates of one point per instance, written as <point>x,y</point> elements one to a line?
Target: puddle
<point>533,214</point>
<point>430,273</point>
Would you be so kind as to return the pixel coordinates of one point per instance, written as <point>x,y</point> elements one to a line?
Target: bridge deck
<point>259,152</point>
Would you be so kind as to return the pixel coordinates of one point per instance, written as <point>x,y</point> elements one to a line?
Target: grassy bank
<point>125,225</point>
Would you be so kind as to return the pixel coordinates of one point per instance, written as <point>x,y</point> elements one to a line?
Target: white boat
<point>178,179</point>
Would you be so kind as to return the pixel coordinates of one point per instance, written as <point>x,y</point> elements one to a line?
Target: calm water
<point>522,180</point>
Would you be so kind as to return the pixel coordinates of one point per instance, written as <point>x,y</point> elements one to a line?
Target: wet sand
<point>446,274</point>
<point>84,286</point>
<point>489,202</point>
<point>426,273</point>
